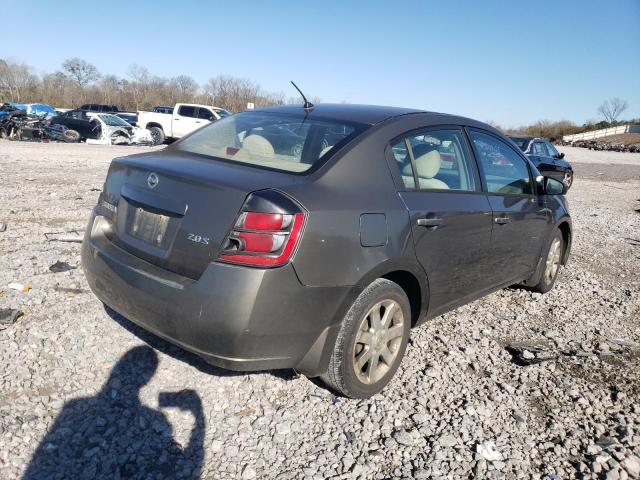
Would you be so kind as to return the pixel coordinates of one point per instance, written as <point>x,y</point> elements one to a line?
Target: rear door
<point>450,216</point>
<point>185,120</point>
<point>520,218</point>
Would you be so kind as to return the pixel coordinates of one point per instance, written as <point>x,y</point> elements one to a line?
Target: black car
<point>321,258</point>
<point>87,126</point>
<point>99,108</point>
<point>79,121</point>
<point>545,157</point>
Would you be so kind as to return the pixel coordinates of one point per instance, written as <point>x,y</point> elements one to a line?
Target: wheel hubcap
<point>553,261</point>
<point>378,341</point>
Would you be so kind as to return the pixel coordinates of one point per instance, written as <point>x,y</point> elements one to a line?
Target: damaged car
<point>113,130</point>
<point>102,128</point>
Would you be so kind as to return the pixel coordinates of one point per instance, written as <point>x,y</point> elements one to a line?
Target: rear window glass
<point>285,142</point>
<point>520,142</point>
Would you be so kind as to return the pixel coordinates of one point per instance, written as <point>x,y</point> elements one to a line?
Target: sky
<point>510,62</point>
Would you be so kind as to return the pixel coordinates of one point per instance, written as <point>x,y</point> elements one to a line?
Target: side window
<point>401,155</point>
<point>540,149</point>
<point>438,160</point>
<point>552,150</point>
<point>504,171</point>
<point>205,114</point>
<point>187,111</point>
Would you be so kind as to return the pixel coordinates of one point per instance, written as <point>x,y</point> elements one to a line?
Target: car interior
<point>292,146</point>
<point>439,162</point>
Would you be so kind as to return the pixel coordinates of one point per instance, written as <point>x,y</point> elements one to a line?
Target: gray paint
<point>361,223</point>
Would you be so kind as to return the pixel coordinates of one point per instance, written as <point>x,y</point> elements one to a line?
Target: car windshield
<point>521,142</point>
<point>222,112</point>
<point>292,143</point>
<point>113,121</point>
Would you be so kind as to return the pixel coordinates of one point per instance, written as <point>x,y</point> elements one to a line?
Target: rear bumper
<point>237,318</point>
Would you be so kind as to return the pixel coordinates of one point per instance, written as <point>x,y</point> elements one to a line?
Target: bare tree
<point>81,71</point>
<point>186,88</point>
<point>612,109</point>
<point>57,90</point>
<point>16,80</point>
<point>137,87</point>
<point>109,89</point>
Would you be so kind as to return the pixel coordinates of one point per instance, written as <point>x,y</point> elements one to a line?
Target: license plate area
<point>148,226</point>
<point>153,227</point>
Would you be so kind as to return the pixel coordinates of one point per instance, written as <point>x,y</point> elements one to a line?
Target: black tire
<point>548,279</point>
<point>71,136</point>
<point>158,135</point>
<point>341,374</point>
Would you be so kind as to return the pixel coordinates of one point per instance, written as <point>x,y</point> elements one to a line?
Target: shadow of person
<point>112,435</point>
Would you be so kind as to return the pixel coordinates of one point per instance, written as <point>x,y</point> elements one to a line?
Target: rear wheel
<point>371,342</point>
<point>157,134</point>
<point>552,263</point>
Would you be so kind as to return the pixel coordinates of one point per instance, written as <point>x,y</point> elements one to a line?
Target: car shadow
<point>185,356</point>
<point>113,435</point>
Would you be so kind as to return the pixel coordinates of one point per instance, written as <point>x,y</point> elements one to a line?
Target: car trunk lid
<point>175,209</point>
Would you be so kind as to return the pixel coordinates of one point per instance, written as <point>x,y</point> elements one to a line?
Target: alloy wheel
<point>553,260</point>
<point>378,341</point>
<point>568,179</point>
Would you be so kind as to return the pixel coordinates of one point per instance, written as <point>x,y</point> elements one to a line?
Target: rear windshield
<point>291,143</point>
<point>520,142</point>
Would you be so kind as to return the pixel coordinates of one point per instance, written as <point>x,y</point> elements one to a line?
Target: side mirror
<point>553,186</point>
<point>561,155</point>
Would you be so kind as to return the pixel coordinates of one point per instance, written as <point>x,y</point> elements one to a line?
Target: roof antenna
<point>307,104</point>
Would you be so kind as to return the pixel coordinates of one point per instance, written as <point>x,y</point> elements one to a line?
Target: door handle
<point>429,222</point>
<point>176,119</point>
<point>502,220</point>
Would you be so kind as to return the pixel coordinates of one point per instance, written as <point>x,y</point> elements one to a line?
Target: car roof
<point>367,114</point>
<point>373,114</point>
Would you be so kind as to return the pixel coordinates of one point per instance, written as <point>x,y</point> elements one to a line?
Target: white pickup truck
<point>186,118</point>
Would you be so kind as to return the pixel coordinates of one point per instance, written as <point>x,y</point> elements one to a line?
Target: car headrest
<point>258,145</point>
<point>428,164</point>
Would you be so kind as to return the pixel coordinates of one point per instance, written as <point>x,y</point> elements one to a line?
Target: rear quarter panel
<point>356,181</point>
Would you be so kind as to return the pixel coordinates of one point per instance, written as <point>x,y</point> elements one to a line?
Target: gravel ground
<point>515,385</point>
<point>600,165</point>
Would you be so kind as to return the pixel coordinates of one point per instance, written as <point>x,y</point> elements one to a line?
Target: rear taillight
<point>263,239</point>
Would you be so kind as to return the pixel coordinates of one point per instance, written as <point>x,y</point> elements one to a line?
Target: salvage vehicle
<point>78,121</point>
<point>184,119</point>
<point>102,128</point>
<point>112,130</point>
<point>321,258</point>
<point>130,117</point>
<point>545,157</point>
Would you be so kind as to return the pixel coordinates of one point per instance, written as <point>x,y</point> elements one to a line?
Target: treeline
<point>78,82</point>
<point>556,130</point>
